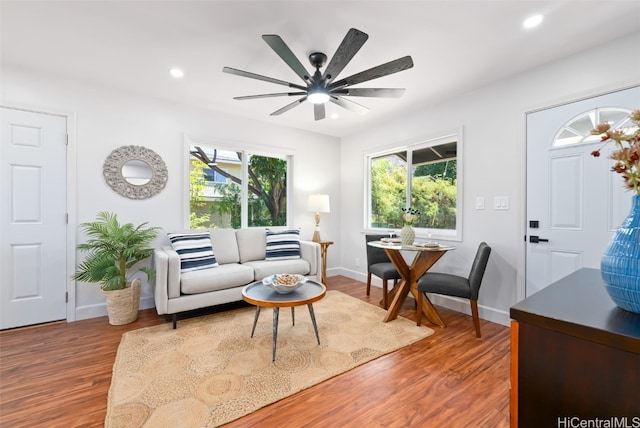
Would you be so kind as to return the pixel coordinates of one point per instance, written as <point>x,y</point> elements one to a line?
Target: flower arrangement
<point>627,156</point>
<point>409,215</point>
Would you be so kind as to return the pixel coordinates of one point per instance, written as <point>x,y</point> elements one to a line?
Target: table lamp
<point>318,204</point>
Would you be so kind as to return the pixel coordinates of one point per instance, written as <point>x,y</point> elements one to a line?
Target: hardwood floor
<point>58,375</point>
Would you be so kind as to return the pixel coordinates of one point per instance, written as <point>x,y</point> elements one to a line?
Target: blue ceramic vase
<point>620,264</point>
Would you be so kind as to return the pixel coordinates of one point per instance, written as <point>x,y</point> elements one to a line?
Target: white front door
<point>574,200</point>
<point>33,224</point>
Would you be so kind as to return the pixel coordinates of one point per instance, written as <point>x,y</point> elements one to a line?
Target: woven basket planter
<point>123,305</point>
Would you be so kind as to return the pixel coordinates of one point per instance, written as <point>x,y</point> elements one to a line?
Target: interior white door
<point>33,224</point>
<point>574,201</point>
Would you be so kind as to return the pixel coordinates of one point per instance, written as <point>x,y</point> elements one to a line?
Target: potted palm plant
<point>114,252</point>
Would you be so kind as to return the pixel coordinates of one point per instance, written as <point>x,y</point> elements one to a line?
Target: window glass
<point>430,185</point>
<point>267,202</point>
<point>388,189</point>
<point>578,130</point>
<point>433,186</point>
<point>220,197</point>
<point>212,176</point>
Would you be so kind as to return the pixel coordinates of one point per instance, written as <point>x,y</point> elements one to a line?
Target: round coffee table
<point>261,296</point>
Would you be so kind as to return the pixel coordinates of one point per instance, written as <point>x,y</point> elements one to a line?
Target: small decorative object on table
<point>284,283</point>
<point>407,234</point>
<point>620,264</point>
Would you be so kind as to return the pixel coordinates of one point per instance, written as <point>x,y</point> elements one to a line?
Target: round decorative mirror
<point>135,172</point>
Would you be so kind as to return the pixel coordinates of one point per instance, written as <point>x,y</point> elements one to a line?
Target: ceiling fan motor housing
<point>317,59</point>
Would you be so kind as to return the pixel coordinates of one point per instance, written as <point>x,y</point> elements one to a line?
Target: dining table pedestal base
<point>425,257</point>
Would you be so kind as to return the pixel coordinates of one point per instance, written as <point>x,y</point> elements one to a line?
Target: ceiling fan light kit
<point>318,96</point>
<point>321,88</point>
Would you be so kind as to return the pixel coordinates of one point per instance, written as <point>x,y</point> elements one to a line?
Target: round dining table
<point>424,256</point>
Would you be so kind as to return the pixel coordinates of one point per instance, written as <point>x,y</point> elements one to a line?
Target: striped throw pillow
<point>195,250</point>
<point>283,245</point>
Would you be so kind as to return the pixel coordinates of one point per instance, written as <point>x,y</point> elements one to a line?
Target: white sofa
<point>240,254</point>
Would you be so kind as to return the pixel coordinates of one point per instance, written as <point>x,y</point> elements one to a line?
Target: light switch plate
<point>501,203</point>
<point>479,202</point>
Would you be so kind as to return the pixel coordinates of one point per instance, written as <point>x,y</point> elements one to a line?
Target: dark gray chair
<point>378,264</point>
<point>458,286</point>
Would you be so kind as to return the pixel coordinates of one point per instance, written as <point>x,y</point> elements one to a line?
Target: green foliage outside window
<point>268,186</point>
<point>267,199</point>
<point>436,199</point>
<point>228,205</point>
<point>433,193</point>
<point>199,215</point>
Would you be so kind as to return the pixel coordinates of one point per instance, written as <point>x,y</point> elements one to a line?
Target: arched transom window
<point>578,129</point>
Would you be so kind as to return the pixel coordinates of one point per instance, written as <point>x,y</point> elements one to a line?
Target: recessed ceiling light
<point>533,21</point>
<point>176,72</point>
<point>334,115</point>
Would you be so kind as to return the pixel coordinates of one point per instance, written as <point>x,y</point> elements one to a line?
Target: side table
<point>324,245</point>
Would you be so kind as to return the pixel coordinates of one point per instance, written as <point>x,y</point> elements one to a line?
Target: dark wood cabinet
<point>575,356</point>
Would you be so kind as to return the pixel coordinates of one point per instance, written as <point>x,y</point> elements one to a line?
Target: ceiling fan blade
<point>289,106</point>
<point>318,111</point>
<point>283,51</point>
<point>280,94</point>
<point>349,46</point>
<point>349,105</point>
<point>375,72</point>
<point>370,92</point>
<point>260,77</point>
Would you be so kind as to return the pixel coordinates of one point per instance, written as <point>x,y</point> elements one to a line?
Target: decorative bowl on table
<point>284,283</point>
<point>391,240</point>
<point>429,244</point>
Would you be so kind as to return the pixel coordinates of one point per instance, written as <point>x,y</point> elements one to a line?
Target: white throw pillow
<point>283,245</point>
<point>195,250</point>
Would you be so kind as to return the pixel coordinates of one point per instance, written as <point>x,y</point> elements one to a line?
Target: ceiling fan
<point>323,87</point>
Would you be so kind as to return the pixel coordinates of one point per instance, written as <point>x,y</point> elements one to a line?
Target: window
<point>578,130</point>
<point>212,176</point>
<point>235,188</point>
<point>424,176</point>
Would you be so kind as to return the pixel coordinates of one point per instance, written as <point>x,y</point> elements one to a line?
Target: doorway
<point>574,201</point>
<point>33,218</point>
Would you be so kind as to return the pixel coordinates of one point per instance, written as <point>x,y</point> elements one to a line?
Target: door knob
<point>534,239</point>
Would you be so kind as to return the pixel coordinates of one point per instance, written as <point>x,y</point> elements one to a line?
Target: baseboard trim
<point>100,309</point>
<point>462,305</point>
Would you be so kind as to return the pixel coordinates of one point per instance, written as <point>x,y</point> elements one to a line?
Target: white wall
<point>493,119</point>
<point>106,119</point>
<point>494,162</point>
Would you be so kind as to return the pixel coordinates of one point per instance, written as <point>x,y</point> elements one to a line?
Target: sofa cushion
<point>194,249</point>
<point>251,244</point>
<point>283,245</point>
<point>220,278</point>
<point>264,268</point>
<point>224,241</point>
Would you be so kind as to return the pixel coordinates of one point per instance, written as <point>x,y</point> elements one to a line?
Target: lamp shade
<point>318,203</point>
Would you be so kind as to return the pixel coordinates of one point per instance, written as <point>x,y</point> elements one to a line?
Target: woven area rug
<point>209,371</point>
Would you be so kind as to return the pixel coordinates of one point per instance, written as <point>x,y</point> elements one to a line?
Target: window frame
<point>417,144</point>
<point>246,149</point>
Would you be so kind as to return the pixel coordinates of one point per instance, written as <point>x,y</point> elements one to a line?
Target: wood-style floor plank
<point>58,375</point>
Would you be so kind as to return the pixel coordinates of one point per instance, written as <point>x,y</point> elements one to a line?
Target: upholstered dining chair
<point>457,286</point>
<point>378,264</point>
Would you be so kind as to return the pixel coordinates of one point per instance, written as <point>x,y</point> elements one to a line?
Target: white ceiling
<point>456,46</point>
